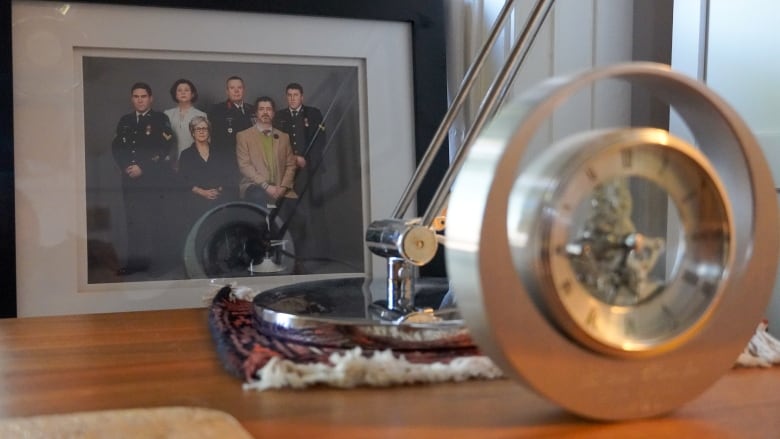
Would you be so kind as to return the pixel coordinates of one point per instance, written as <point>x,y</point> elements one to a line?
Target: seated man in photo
<point>267,164</point>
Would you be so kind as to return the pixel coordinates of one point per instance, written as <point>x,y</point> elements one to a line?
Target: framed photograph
<point>212,143</point>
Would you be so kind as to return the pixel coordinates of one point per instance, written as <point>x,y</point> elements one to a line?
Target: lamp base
<point>347,312</point>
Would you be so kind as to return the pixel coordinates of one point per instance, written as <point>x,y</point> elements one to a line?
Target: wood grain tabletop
<point>55,365</point>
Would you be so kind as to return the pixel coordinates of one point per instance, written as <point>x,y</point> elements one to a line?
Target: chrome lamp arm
<point>408,244</point>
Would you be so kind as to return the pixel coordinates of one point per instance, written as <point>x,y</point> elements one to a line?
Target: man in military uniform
<point>304,126</point>
<point>141,150</point>
<point>229,117</point>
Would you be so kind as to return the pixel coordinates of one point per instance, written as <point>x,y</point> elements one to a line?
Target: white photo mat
<point>49,39</point>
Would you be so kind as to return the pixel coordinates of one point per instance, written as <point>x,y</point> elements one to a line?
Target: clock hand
<point>608,266</point>
<point>641,258</point>
<point>598,263</point>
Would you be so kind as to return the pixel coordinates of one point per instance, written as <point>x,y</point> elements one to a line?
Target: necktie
<point>295,113</point>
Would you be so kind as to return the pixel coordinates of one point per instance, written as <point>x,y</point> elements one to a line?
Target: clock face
<point>632,241</point>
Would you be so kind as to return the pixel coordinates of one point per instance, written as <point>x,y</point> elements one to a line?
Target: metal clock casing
<point>510,307</point>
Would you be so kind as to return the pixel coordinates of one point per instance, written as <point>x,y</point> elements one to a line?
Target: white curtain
<point>577,34</point>
<point>468,25</point>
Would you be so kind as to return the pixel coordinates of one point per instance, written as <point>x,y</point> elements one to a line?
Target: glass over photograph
<point>220,169</point>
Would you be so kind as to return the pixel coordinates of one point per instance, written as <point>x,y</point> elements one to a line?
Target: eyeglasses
<point>200,129</point>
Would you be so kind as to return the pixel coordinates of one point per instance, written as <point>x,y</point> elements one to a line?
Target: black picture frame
<point>427,20</point>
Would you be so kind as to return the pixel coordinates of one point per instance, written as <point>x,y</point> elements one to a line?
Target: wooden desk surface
<point>153,359</point>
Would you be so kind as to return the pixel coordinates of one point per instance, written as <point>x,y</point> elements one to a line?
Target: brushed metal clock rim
<point>569,161</point>
<point>506,324</point>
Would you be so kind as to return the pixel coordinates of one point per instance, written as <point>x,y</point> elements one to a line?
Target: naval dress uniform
<point>302,126</point>
<point>144,140</point>
<point>307,138</point>
<point>227,120</point>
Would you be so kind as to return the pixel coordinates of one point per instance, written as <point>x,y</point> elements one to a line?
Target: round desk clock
<point>617,272</point>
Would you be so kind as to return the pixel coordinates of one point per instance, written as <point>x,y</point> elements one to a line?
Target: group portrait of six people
<point>178,164</point>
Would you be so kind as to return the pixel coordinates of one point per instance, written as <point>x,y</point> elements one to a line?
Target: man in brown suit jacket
<point>267,164</point>
<point>265,159</point>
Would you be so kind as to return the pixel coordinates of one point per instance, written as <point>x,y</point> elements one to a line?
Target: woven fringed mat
<point>267,363</point>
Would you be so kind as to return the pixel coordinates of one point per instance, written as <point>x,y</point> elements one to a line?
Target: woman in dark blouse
<point>206,173</point>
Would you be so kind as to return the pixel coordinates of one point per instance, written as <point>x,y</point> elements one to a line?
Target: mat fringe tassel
<point>382,369</point>
<point>763,350</point>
